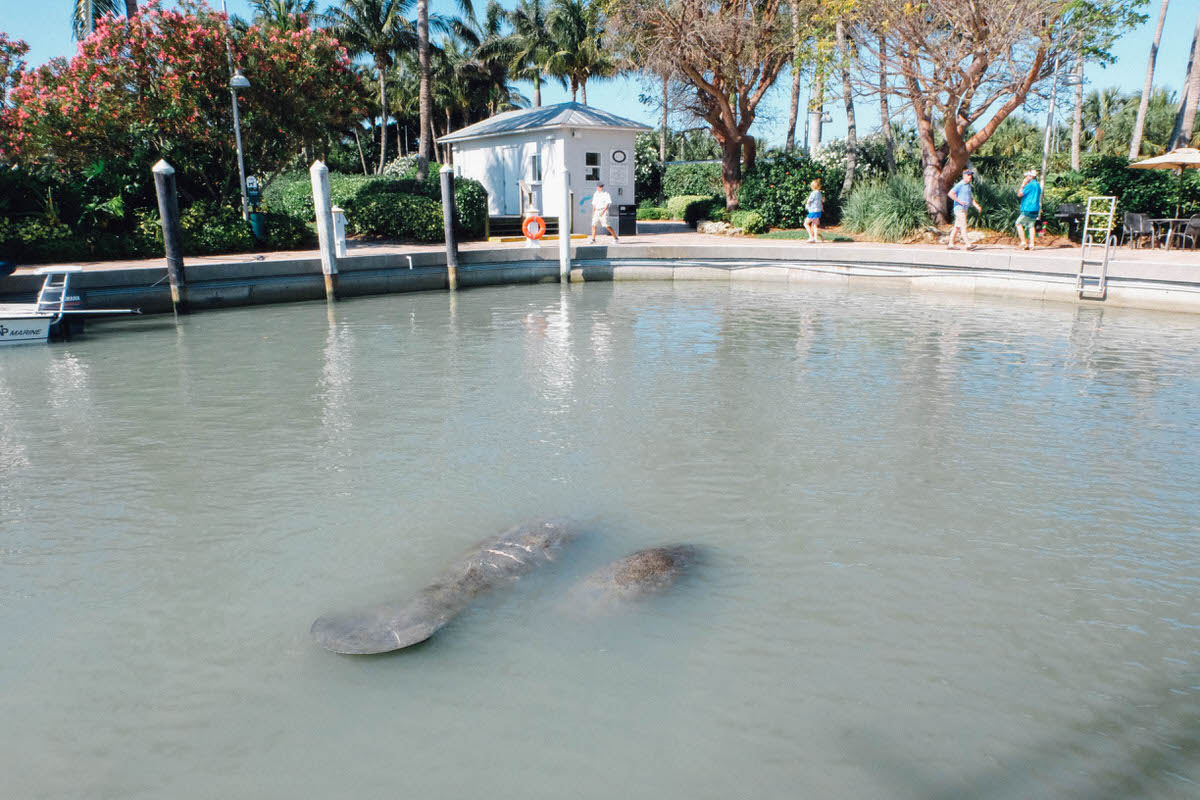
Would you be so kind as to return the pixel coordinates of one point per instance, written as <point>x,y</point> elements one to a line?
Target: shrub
<point>777,189</point>
<point>691,179</point>
<point>1000,204</point>
<point>890,209</point>
<point>647,169</point>
<point>398,216</point>
<point>355,194</point>
<point>748,221</point>
<point>653,212</point>
<point>690,208</point>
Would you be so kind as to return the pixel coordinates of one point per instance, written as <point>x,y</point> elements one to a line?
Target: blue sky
<point>47,30</point>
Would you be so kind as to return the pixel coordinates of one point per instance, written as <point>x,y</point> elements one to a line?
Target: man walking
<point>963,198</point>
<point>601,201</point>
<point>1031,205</point>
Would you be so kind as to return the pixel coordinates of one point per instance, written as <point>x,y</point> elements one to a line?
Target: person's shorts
<point>1026,221</point>
<point>599,219</point>
<point>814,215</point>
<point>960,218</point>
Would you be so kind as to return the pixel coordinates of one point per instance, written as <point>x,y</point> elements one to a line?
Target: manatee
<point>637,575</point>
<point>492,563</point>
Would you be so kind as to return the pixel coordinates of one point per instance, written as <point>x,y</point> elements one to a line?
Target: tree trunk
<point>662,133</point>
<point>361,156</point>
<point>885,116</point>
<point>381,65</point>
<point>790,143</point>
<point>583,91</point>
<point>817,110</point>
<point>1135,144</point>
<point>426,98</point>
<point>537,89</point>
<point>1188,109</point>
<point>1077,119</point>
<point>1187,103</point>
<point>131,8</point>
<point>731,167</point>
<point>851,129</point>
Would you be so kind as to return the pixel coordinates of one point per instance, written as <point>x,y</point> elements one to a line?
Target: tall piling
<point>564,230</point>
<point>327,240</point>
<point>447,177</point>
<point>168,214</point>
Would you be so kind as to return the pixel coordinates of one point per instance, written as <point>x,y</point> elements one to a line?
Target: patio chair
<point>1137,229</point>
<point>1189,233</point>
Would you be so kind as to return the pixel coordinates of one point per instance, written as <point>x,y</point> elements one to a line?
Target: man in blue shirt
<point>963,197</point>
<point>1031,205</point>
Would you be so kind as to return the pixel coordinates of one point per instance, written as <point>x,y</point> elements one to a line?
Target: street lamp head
<point>1073,80</point>
<point>239,81</point>
<point>827,117</point>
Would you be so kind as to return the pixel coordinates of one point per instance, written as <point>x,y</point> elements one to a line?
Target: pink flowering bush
<point>157,86</point>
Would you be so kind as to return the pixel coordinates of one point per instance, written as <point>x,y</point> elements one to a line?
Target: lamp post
<point>239,81</point>
<point>1071,79</point>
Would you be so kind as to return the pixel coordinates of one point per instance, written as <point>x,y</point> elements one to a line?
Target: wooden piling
<point>327,243</point>
<point>447,177</point>
<point>168,213</point>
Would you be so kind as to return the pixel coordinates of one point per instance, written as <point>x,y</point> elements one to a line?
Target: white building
<point>518,157</point>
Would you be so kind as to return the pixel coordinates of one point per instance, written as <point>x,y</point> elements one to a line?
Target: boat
<point>55,314</point>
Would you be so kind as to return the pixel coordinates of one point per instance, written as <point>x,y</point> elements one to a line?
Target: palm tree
<point>1100,108</point>
<point>85,13</point>
<point>284,15</point>
<point>1135,143</point>
<point>1185,120</point>
<point>531,44</point>
<point>374,28</point>
<point>578,35</point>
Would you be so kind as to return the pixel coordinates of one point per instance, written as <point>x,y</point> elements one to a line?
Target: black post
<point>168,212</point>
<point>447,176</point>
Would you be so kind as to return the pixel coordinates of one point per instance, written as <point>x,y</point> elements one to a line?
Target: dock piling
<point>323,205</point>
<point>447,176</point>
<point>168,213</point>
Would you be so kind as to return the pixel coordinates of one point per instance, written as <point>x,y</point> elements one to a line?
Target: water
<point>953,548</point>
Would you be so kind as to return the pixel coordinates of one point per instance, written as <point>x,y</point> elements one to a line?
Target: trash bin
<point>258,225</point>
<point>627,220</point>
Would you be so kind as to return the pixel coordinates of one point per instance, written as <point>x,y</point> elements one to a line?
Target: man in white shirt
<point>601,201</point>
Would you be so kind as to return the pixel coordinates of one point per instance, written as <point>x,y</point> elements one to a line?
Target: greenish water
<point>952,548</point>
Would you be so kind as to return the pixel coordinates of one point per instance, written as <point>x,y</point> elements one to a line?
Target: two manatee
<point>493,563</point>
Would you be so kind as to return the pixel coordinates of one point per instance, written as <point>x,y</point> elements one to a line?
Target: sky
<point>47,30</point>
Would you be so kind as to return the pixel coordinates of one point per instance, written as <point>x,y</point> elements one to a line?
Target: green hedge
<point>692,208</point>
<point>398,216</point>
<point>748,221</point>
<point>777,189</point>
<point>653,212</point>
<point>361,196</point>
<point>691,179</point>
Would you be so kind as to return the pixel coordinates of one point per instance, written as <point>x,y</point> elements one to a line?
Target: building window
<point>592,162</point>
<point>535,167</point>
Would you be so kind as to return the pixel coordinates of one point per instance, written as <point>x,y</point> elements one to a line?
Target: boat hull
<point>24,330</point>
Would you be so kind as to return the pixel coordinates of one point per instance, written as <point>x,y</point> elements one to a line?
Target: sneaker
<point>591,241</point>
<point>616,240</point>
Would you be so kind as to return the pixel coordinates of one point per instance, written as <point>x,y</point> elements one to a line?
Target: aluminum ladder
<point>1097,232</point>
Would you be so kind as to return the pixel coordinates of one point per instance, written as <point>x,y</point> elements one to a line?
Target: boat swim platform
<point>1158,280</point>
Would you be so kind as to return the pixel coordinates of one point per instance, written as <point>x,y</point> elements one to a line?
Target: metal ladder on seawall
<point>53,296</point>
<point>1097,222</point>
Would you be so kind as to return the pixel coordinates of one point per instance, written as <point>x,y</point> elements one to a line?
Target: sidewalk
<point>650,233</point>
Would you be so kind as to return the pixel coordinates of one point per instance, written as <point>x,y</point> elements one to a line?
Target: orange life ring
<point>538,226</point>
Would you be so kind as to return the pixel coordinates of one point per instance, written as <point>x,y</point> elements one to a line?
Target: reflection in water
<point>335,388</point>
<point>549,351</point>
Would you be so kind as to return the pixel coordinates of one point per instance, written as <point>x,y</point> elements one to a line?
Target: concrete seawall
<point>1164,284</point>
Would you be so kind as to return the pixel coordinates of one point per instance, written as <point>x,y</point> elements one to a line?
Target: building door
<point>509,159</point>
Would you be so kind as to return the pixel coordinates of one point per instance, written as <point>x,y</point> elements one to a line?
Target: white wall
<point>498,162</point>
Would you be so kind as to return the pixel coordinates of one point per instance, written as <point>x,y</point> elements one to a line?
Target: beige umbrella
<point>1176,160</point>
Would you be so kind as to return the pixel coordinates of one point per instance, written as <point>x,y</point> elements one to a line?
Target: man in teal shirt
<point>1031,205</point>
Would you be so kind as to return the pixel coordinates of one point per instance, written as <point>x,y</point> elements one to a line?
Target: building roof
<point>561,115</point>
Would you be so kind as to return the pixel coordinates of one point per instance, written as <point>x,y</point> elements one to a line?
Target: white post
<point>339,231</point>
<point>319,173</point>
<point>564,229</point>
